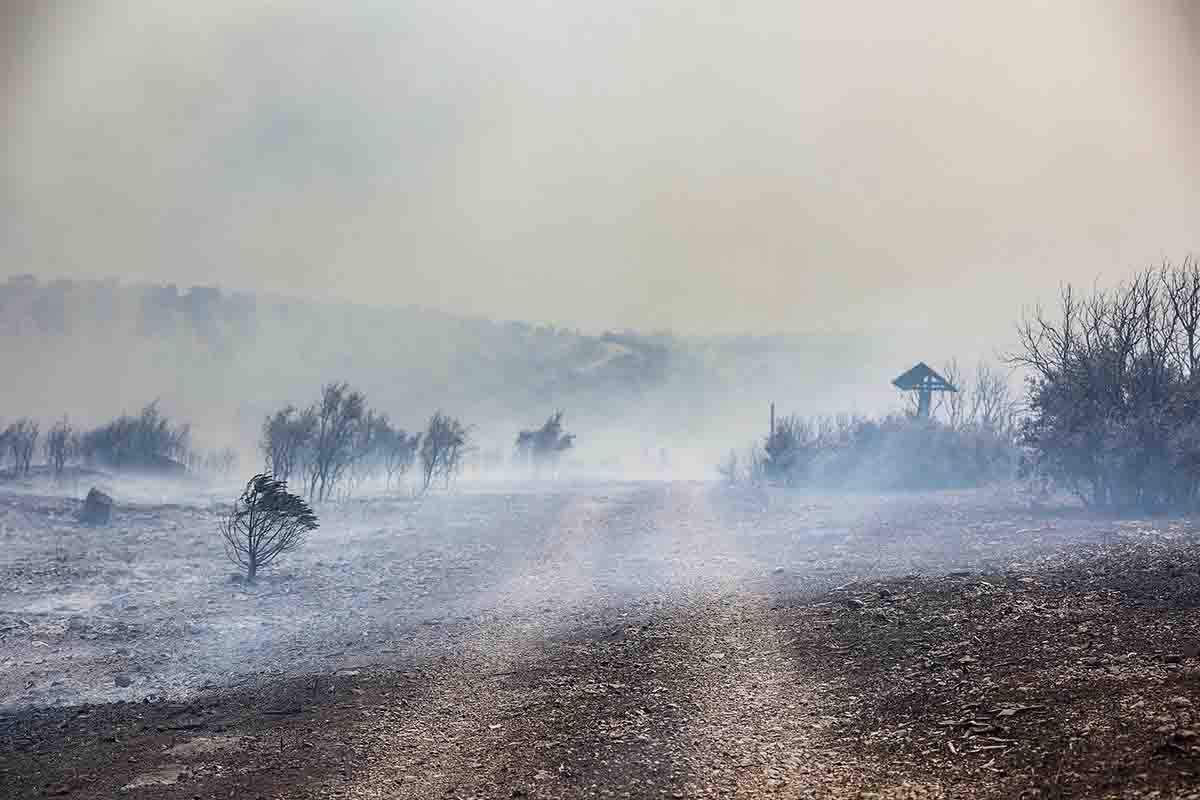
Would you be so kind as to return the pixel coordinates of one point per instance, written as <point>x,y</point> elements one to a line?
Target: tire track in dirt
<point>689,695</point>
<point>489,710</point>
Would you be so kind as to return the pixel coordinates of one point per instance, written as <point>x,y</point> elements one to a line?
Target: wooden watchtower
<point>924,381</point>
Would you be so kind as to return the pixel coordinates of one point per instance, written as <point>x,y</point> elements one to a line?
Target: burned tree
<point>265,522</point>
<point>286,437</point>
<point>543,446</point>
<point>60,446</point>
<point>992,407</point>
<point>399,454</point>
<point>22,437</point>
<point>371,439</point>
<point>339,416</point>
<point>442,448</point>
<point>1114,395</point>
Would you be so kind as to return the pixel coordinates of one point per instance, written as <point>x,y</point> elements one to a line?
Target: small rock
<point>123,681</point>
<point>97,508</point>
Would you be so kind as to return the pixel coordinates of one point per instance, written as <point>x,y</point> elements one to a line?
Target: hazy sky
<point>702,166</point>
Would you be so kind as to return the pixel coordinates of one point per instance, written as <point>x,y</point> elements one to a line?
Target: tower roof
<point>922,376</point>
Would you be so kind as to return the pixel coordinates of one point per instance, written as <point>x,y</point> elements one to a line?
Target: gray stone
<point>97,508</point>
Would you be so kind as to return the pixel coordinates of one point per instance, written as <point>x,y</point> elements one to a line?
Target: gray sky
<point>706,166</point>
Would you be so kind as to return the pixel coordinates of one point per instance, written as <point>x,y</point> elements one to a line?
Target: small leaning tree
<point>264,523</point>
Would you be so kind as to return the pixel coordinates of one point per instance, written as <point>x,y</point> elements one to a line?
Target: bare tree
<point>442,448</point>
<point>991,402</point>
<point>1113,397</point>
<point>1182,289</point>
<point>954,404</point>
<point>399,454</point>
<point>286,436</point>
<point>60,446</point>
<point>338,417</point>
<point>265,522</point>
<point>22,438</point>
<point>371,438</point>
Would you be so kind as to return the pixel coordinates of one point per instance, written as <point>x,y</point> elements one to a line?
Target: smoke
<point>775,167</point>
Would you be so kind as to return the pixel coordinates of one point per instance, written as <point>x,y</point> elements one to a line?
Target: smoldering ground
<point>572,636</point>
<point>150,606</point>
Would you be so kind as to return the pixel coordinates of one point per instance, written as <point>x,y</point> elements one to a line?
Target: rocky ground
<point>636,640</point>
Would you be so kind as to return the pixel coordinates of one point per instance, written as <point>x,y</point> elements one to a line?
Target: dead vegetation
<point>266,522</point>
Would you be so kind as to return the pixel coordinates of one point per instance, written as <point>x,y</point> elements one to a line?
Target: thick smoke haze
<point>920,169</point>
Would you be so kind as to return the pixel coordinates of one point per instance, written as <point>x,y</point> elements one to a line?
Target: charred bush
<point>1114,393</point>
<point>148,442</point>
<point>544,446</point>
<point>265,522</point>
<point>788,451</point>
<point>894,453</point>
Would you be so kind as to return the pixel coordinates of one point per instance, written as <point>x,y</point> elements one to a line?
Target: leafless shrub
<point>992,406</point>
<point>22,438</point>
<point>444,443</point>
<point>266,521</point>
<point>61,444</point>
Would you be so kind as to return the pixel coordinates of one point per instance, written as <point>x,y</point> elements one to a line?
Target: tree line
<point>336,444</point>
<point>148,441</point>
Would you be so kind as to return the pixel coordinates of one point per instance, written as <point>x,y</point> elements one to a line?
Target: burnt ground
<point>646,640</point>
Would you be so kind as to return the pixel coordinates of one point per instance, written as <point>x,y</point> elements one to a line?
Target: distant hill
<point>225,359</point>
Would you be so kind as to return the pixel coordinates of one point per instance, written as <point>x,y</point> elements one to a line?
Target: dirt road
<point>638,640</point>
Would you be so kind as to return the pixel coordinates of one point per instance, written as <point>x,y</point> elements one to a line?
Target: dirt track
<point>642,640</point>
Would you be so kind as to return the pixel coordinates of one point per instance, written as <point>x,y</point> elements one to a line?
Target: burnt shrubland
<point>339,444</point>
<point>149,441</point>
<point>970,441</point>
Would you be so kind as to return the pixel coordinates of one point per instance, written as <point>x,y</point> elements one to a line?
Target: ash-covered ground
<point>617,639</point>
